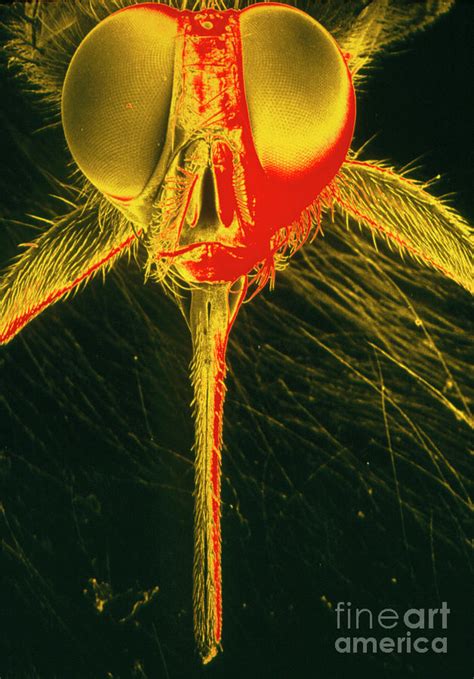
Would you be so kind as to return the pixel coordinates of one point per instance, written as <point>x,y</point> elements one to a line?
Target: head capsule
<point>211,130</point>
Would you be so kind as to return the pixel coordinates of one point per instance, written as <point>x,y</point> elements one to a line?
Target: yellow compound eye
<point>116,99</point>
<point>297,86</point>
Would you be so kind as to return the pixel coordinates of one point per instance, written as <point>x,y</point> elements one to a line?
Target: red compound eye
<point>298,91</point>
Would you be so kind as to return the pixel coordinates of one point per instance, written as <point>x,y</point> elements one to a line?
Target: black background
<point>96,432</point>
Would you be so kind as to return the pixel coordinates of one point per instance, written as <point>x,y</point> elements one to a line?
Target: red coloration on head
<point>257,202</point>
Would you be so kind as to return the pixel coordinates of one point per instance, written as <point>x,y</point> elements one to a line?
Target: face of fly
<point>211,133</point>
<point>203,217</point>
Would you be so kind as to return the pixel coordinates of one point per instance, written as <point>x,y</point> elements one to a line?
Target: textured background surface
<point>95,462</point>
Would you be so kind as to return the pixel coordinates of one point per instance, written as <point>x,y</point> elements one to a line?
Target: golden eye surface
<point>297,87</point>
<point>116,99</point>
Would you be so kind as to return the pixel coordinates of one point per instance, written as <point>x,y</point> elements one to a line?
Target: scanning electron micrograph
<point>236,318</point>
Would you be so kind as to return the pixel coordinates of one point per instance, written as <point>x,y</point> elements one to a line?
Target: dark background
<point>96,431</point>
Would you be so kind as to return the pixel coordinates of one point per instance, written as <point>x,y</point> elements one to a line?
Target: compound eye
<point>298,89</point>
<point>116,98</point>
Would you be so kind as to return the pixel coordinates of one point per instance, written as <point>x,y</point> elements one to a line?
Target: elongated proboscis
<point>213,309</point>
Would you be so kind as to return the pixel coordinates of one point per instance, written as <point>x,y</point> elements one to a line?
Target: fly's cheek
<point>299,95</point>
<point>117,96</point>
